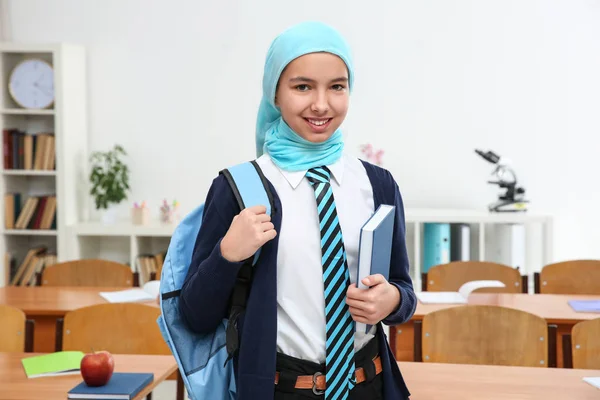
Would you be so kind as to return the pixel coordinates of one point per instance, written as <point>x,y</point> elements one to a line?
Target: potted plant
<point>110,181</point>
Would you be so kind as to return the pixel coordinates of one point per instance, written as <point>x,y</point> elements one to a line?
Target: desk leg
<point>562,330</point>
<point>44,336</point>
<point>402,341</point>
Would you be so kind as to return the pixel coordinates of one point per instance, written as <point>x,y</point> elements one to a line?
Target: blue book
<point>591,306</point>
<point>375,249</point>
<point>122,385</point>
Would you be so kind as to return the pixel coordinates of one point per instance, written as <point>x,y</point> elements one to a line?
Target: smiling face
<point>313,95</point>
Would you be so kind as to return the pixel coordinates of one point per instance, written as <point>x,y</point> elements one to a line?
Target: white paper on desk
<point>127,296</point>
<point>594,381</point>
<point>459,297</point>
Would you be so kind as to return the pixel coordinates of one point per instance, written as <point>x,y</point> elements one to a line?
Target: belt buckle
<point>314,388</point>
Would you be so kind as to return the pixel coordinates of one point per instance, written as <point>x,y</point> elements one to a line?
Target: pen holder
<point>140,215</point>
<point>169,216</point>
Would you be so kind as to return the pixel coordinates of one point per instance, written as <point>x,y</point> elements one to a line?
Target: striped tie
<point>339,375</point>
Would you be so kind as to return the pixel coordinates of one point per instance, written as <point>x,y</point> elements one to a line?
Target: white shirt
<point>301,321</point>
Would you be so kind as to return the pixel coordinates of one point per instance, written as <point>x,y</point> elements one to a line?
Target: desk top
<point>429,381</point>
<point>14,384</point>
<point>54,301</point>
<point>552,307</point>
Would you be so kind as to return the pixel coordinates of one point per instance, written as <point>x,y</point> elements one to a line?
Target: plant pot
<point>109,215</point>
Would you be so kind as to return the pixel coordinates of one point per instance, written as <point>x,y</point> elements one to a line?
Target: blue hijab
<point>288,150</point>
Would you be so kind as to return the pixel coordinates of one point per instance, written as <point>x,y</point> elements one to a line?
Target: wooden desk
<point>429,381</point>
<point>14,384</point>
<point>553,308</point>
<point>45,304</point>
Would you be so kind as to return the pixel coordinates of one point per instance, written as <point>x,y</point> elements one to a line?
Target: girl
<point>297,335</point>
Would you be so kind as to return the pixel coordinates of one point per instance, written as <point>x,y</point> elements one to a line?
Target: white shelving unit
<point>68,121</point>
<point>538,236</point>
<point>121,241</point>
<point>124,241</point>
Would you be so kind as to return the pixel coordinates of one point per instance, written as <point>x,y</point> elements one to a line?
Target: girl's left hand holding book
<point>372,305</point>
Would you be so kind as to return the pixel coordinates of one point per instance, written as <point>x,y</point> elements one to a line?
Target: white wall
<point>178,84</point>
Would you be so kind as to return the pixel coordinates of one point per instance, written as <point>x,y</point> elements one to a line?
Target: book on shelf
<point>36,259</point>
<point>12,209</point>
<point>149,266</point>
<point>24,151</point>
<point>38,212</point>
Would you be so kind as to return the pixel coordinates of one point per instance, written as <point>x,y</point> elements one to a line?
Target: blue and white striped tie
<point>339,375</point>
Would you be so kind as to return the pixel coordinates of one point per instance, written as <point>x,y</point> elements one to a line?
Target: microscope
<point>513,199</point>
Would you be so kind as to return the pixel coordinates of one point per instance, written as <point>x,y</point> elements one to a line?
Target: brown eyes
<point>304,88</point>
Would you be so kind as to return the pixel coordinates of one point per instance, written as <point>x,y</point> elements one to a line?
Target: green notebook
<point>53,364</point>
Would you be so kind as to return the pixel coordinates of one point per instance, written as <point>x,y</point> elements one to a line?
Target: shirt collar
<point>295,177</point>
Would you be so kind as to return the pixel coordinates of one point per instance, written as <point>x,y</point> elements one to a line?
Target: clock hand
<point>44,90</point>
<point>38,79</point>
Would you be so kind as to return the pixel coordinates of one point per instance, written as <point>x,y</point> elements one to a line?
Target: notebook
<point>121,386</point>
<point>591,306</point>
<point>53,364</point>
<point>375,249</point>
<point>460,297</point>
<point>594,381</point>
<point>127,296</point>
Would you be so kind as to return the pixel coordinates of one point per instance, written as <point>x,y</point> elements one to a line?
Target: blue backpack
<point>205,360</point>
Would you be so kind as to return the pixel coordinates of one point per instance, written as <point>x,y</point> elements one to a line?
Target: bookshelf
<point>59,177</point>
<point>484,240</point>
<point>124,241</point>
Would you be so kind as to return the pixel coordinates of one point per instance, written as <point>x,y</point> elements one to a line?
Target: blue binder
<point>436,245</point>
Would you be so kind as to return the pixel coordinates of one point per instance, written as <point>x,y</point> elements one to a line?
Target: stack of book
<point>149,266</point>
<point>33,264</point>
<point>39,212</point>
<point>28,151</point>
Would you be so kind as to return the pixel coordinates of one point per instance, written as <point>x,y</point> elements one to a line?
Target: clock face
<point>31,84</point>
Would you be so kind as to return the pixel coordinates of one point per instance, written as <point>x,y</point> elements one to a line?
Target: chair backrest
<point>88,272</point>
<point>585,347</point>
<point>16,334</point>
<point>122,328</point>
<point>571,277</point>
<point>489,335</point>
<point>451,276</point>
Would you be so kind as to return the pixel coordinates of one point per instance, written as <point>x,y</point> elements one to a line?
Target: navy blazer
<point>210,280</point>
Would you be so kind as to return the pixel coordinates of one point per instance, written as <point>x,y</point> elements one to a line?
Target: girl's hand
<point>372,305</point>
<point>249,230</point>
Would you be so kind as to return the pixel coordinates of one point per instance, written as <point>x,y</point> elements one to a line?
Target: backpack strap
<point>250,188</point>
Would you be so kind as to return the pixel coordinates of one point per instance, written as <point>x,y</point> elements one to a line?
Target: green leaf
<point>109,177</point>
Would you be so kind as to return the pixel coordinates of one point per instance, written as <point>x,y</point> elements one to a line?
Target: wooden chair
<point>569,277</point>
<point>89,272</point>
<point>120,328</point>
<point>451,276</point>
<point>16,334</point>
<point>487,335</point>
<point>581,349</point>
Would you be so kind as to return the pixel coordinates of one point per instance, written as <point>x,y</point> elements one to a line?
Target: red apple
<point>97,368</point>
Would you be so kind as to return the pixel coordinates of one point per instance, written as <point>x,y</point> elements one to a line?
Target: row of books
<point>38,212</point>
<point>149,266</point>
<point>28,151</point>
<point>36,259</point>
